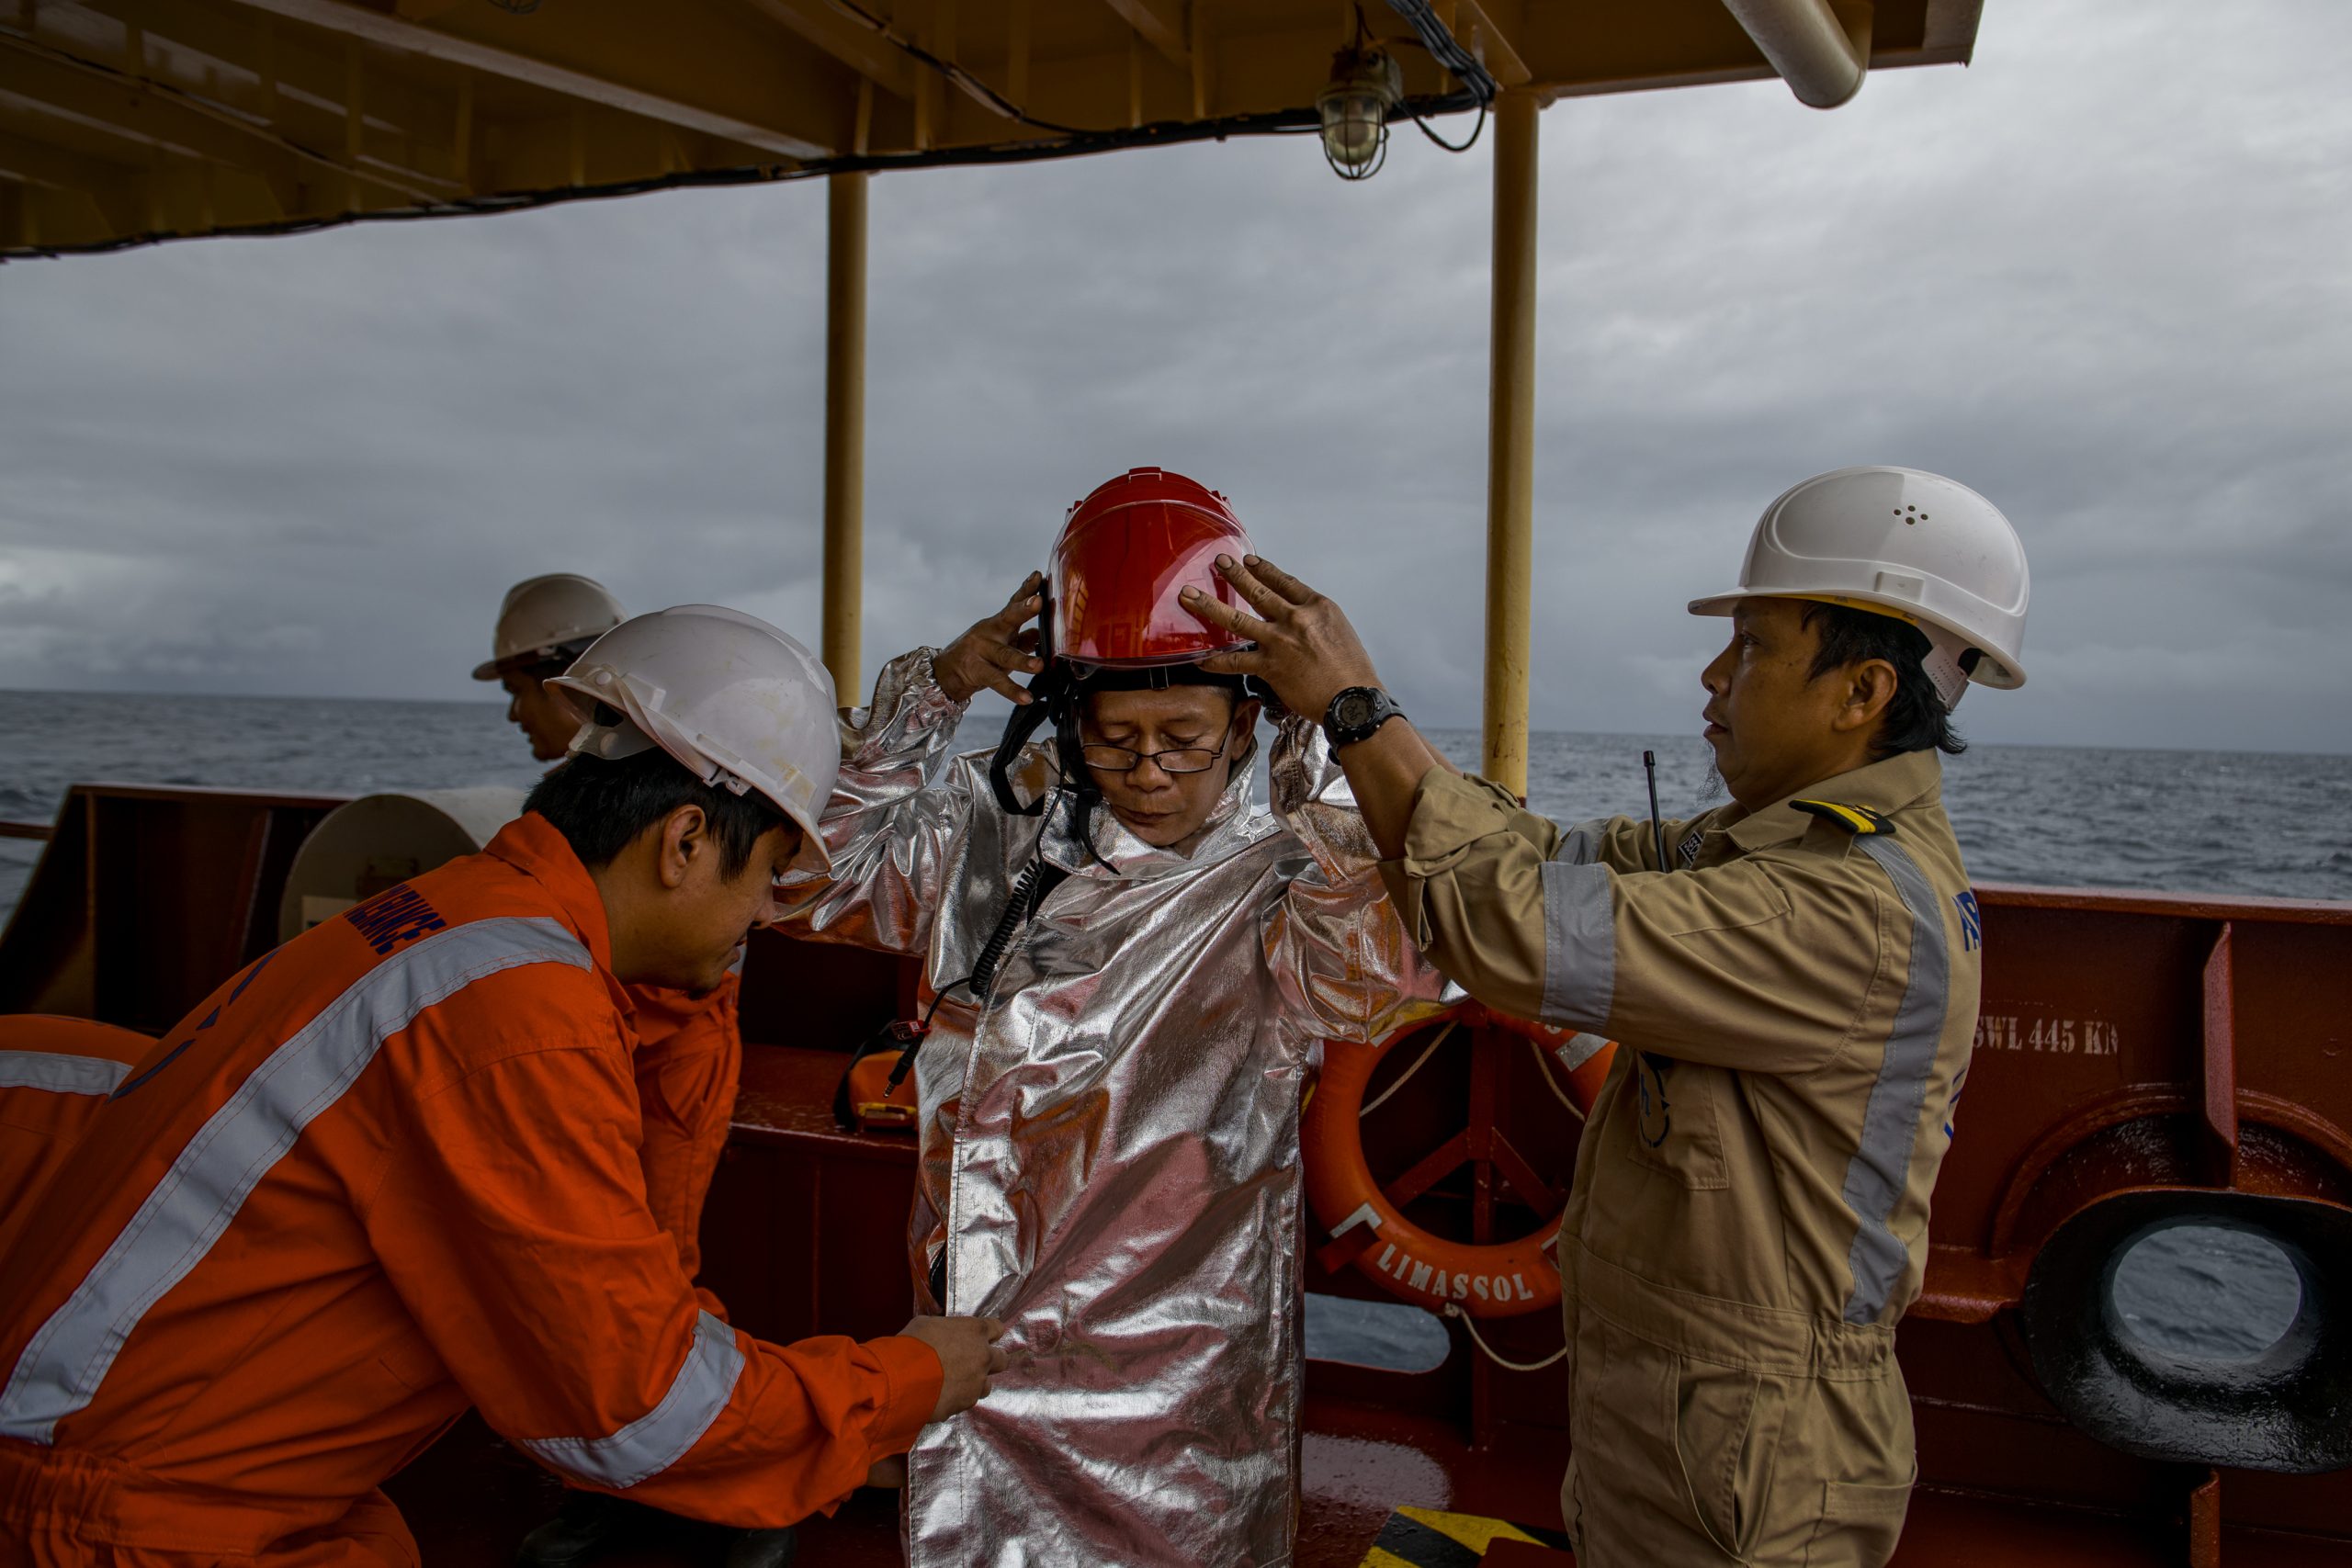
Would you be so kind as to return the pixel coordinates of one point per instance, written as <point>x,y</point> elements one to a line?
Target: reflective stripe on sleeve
<point>1579,944</point>
<point>659,1438</point>
<point>1881,1168</point>
<point>1580,845</point>
<point>199,1195</point>
<point>61,1075</point>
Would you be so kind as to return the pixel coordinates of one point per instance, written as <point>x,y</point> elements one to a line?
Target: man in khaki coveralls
<point>1793,978</point>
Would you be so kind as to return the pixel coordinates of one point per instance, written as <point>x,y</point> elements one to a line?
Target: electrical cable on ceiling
<point>1463,146</point>
<point>1447,50</point>
<point>978,89</point>
<point>1281,122</point>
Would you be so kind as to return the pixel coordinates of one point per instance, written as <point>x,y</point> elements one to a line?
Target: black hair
<point>545,665</point>
<point>600,807</point>
<point>541,672</point>
<point>1916,719</point>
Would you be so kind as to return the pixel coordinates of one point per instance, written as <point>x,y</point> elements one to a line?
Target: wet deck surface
<point>471,1498</point>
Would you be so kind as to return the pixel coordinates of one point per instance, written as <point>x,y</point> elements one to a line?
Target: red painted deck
<point>471,1498</point>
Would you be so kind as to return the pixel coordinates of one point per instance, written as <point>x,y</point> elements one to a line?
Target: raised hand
<point>995,649</point>
<point>1307,650</point>
<point>968,1356</point>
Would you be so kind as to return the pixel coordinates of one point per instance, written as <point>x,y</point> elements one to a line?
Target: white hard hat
<point>738,703</point>
<point>1902,542</point>
<point>542,615</point>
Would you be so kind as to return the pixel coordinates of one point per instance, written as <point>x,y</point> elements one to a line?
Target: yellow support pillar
<point>1511,447</point>
<point>844,430</point>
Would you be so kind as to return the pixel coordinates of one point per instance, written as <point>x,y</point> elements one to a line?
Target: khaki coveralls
<point>1795,1002</point>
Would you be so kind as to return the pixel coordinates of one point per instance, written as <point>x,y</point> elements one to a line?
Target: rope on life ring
<point>1365,1225</point>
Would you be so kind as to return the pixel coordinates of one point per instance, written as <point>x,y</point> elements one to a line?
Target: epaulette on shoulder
<point>1859,820</point>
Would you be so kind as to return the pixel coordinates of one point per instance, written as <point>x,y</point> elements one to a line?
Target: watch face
<point>1352,709</point>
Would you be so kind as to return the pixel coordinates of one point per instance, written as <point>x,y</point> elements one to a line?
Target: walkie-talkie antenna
<point>1657,831</point>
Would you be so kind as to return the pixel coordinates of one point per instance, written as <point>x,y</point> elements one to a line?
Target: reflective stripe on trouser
<point>63,1364</point>
<point>1708,1433</point>
<point>61,1074</point>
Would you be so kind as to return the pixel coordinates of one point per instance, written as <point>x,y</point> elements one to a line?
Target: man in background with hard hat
<point>689,1056</point>
<point>543,624</point>
<point>1127,967</point>
<point>389,1171</point>
<point>1793,978</point>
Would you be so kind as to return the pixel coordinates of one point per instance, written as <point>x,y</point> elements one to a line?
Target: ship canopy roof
<point>126,121</point>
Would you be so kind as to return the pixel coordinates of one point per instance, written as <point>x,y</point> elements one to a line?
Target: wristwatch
<point>1356,713</point>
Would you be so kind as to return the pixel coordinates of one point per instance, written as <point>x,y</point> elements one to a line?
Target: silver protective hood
<point>1110,1147</point>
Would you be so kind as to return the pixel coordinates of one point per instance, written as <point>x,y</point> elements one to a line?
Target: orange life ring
<point>1364,1226</point>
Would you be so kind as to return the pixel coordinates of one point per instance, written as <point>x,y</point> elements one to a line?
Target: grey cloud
<point>2096,275</point>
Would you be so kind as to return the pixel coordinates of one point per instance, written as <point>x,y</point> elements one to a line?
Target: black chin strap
<point>1052,699</point>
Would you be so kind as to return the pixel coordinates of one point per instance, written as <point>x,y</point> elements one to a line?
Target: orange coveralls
<point>54,1074</point>
<point>387,1172</point>
<point>689,1060</point>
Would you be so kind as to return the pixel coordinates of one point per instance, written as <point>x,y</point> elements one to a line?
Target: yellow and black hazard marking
<point>1424,1538</point>
<point>1856,820</point>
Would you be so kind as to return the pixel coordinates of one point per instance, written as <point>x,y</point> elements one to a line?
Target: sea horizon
<point>984,713</point>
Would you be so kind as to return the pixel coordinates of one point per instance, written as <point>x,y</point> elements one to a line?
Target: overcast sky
<point>2102,275</point>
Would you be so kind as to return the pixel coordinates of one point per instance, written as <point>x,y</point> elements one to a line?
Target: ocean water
<point>2278,826</point>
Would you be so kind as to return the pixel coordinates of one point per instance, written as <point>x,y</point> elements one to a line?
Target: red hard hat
<point>1125,554</point>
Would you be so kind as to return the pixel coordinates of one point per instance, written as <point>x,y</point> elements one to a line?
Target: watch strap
<point>1376,706</point>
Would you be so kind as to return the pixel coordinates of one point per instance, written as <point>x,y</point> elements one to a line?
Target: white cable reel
<point>1902,542</point>
<point>739,704</point>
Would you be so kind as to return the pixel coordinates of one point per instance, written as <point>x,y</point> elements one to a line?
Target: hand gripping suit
<point>387,1172</point>
<point>1110,1144</point>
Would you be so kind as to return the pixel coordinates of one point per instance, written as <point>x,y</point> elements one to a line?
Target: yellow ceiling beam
<point>149,117</point>
<point>109,186</point>
<point>1475,26</point>
<point>855,44</point>
<point>1161,23</point>
<point>720,85</point>
<point>295,73</point>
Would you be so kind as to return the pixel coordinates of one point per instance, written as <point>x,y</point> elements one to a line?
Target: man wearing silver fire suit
<point>1109,1138</point>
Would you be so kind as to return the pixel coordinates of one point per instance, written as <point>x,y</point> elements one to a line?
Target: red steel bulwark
<point>2138,1055</point>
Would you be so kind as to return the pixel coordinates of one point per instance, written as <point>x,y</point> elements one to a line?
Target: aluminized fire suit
<point>1110,1147</point>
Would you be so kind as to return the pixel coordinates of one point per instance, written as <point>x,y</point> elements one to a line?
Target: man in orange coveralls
<point>689,1045</point>
<point>390,1170</point>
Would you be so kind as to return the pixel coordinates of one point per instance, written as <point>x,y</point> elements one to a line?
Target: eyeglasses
<point>1120,760</point>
